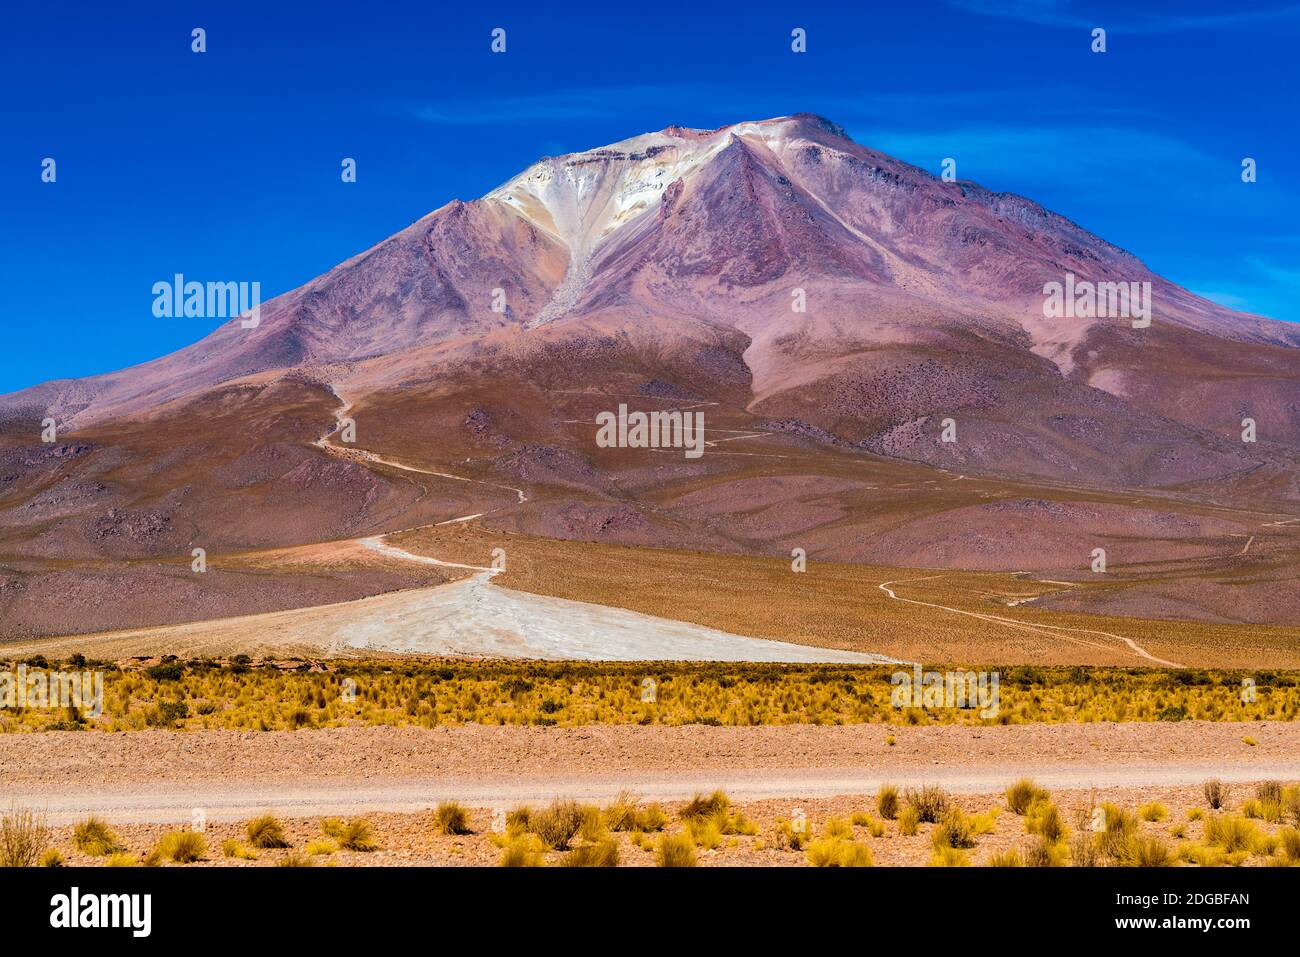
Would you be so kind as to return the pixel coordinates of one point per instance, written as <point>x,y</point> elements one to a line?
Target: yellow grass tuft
<point>603,853</point>
<point>675,850</point>
<point>523,850</point>
<point>183,847</point>
<point>949,857</point>
<point>358,835</point>
<point>265,832</point>
<point>94,837</point>
<point>1024,794</point>
<point>887,802</point>
<point>839,852</point>
<point>232,848</point>
<point>1154,811</point>
<point>450,818</point>
<point>908,821</point>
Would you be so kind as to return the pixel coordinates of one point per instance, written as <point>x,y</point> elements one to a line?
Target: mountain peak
<point>581,198</point>
<point>787,125</point>
<point>698,229</point>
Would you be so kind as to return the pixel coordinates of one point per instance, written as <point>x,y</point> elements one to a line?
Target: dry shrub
<point>653,818</point>
<point>1022,795</point>
<point>518,819</point>
<point>1120,827</point>
<point>1291,804</point>
<point>1231,833</point>
<point>839,852</point>
<point>602,853</point>
<point>837,827</point>
<point>451,818</point>
<point>675,850</point>
<point>183,847</point>
<point>359,835</point>
<point>558,824</point>
<point>714,816</point>
<point>626,814</point>
<point>954,831</point>
<point>711,806</point>
<point>1269,792</point>
<point>265,832</point>
<point>704,832</point>
<point>232,848</point>
<point>930,803</point>
<point>1145,850</point>
<point>523,850</point>
<point>1044,818</point>
<point>1084,851</point>
<point>94,837</point>
<point>887,802</point>
<point>1288,839</point>
<point>23,836</point>
<point>1154,811</point>
<point>623,813</point>
<point>1045,853</point>
<point>788,835</point>
<point>949,857</point>
<point>1216,793</point>
<point>593,828</point>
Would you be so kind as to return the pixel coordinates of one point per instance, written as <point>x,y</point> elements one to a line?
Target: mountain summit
<point>726,229</point>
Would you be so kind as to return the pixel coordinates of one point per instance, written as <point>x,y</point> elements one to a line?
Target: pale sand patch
<point>470,617</point>
<point>473,617</point>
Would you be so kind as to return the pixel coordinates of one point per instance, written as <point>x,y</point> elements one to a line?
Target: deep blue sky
<point>225,165</point>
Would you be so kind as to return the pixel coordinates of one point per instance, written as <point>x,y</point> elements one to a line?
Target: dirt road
<point>157,776</point>
<point>1052,631</point>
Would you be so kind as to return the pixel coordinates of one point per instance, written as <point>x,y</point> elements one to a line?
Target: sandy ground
<point>471,617</point>
<point>159,776</point>
<point>409,838</point>
<point>474,617</point>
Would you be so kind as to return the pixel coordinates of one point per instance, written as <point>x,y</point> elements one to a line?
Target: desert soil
<point>159,776</point>
<point>410,839</point>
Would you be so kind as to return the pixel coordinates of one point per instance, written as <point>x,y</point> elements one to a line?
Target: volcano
<point>868,344</point>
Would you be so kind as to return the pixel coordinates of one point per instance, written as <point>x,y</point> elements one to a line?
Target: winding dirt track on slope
<point>473,617</point>
<point>1049,631</point>
<point>365,455</point>
<point>468,616</point>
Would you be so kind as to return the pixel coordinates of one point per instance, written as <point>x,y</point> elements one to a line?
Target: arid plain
<point>369,563</point>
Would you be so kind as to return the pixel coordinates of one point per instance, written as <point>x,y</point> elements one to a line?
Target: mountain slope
<point>701,222</point>
<point>826,305</point>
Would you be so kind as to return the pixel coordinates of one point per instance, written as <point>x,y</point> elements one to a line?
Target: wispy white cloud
<point>1099,158</point>
<point>732,104</point>
<point>1289,274</point>
<point>1254,284</point>
<point>1229,299</point>
<point>559,105</point>
<point>1129,19</point>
